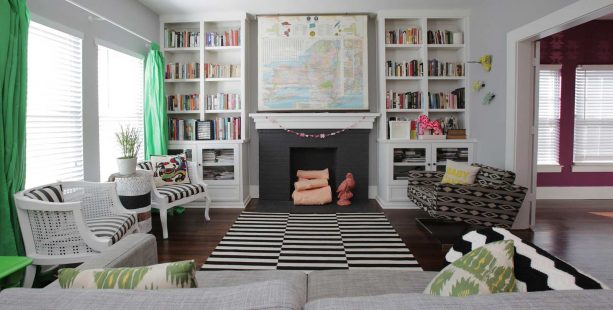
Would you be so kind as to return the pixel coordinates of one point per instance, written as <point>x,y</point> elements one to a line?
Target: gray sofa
<point>334,289</point>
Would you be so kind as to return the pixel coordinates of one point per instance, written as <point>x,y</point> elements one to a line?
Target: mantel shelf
<point>314,120</point>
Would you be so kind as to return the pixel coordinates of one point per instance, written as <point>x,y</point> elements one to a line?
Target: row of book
<point>221,101</point>
<point>441,68</point>
<point>189,102</point>
<point>181,129</point>
<point>408,100</point>
<point>181,38</point>
<point>220,128</point>
<point>409,155</point>
<point>228,38</point>
<point>451,100</point>
<point>182,71</point>
<point>218,173</point>
<point>410,68</point>
<point>403,36</point>
<point>445,37</point>
<point>218,156</point>
<point>222,71</point>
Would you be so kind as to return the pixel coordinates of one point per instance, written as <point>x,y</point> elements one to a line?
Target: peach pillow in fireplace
<point>313,174</point>
<point>310,184</point>
<point>320,196</point>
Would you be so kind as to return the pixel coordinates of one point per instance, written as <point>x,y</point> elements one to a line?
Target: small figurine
<point>344,190</point>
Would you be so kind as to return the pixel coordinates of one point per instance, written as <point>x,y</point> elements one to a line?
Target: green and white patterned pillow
<point>485,270</point>
<point>155,277</point>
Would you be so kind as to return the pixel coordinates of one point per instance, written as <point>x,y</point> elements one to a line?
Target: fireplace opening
<point>312,158</point>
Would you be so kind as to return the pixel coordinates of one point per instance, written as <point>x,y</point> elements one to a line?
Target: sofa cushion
<point>367,282</point>
<point>153,277</point>
<point>296,279</point>
<point>484,270</point>
<point>488,176</point>
<point>535,268</point>
<point>264,295</point>
<point>180,191</point>
<point>594,299</point>
<point>459,173</point>
<point>113,227</point>
<point>423,196</point>
<point>49,193</point>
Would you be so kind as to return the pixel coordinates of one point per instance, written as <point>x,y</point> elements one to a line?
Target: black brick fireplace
<point>282,153</point>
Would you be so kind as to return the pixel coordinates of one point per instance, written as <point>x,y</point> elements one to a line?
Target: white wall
<point>489,22</point>
<point>128,13</point>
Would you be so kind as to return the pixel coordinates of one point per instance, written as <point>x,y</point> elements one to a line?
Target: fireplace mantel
<point>314,120</point>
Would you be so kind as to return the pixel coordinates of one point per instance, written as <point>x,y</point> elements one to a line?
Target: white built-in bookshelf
<point>422,69</point>
<point>205,88</point>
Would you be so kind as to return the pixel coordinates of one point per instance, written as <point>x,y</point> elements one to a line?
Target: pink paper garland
<point>314,136</point>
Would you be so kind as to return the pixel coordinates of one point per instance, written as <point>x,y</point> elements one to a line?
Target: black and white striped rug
<point>308,242</point>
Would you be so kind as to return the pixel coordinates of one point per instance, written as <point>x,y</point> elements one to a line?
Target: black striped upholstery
<point>179,191</point>
<point>114,227</point>
<point>46,193</point>
<point>145,165</point>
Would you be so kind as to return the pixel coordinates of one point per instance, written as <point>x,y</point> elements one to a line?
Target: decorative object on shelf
<point>478,85</point>
<point>489,97</point>
<point>400,129</point>
<point>295,78</point>
<point>317,135</point>
<point>456,134</point>
<point>129,141</point>
<point>485,61</point>
<point>344,190</point>
<point>426,124</point>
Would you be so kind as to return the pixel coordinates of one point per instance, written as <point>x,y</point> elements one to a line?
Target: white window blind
<point>550,79</point>
<point>54,122</point>
<point>120,103</point>
<point>594,114</point>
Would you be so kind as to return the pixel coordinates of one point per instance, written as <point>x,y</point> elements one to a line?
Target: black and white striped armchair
<point>492,201</point>
<point>167,197</point>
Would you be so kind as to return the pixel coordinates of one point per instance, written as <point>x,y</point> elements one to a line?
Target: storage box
<point>454,134</point>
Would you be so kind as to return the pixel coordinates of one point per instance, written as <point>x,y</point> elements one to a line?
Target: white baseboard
<point>575,192</point>
<point>395,205</point>
<point>254,191</point>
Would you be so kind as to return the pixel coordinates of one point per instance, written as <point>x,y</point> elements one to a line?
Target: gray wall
<point>490,20</point>
<point>128,13</point>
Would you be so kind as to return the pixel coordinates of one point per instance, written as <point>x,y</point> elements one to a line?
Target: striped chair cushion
<point>179,191</point>
<point>114,227</point>
<point>49,193</point>
<point>145,165</point>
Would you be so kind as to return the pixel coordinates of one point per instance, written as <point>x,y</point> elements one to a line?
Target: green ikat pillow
<point>485,270</point>
<point>155,277</point>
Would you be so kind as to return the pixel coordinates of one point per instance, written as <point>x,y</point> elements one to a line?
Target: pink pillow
<point>310,184</point>
<point>313,174</point>
<point>320,196</point>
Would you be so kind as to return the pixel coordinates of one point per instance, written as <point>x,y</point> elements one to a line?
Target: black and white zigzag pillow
<point>535,268</point>
<point>49,193</point>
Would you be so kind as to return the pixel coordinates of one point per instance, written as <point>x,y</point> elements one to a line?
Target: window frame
<point>553,168</point>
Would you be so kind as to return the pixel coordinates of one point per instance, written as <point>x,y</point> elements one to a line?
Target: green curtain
<point>14,21</point>
<point>156,123</point>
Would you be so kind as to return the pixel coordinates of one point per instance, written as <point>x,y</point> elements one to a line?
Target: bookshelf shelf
<point>398,156</point>
<point>216,35</point>
<point>223,79</point>
<point>222,48</point>
<point>407,46</point>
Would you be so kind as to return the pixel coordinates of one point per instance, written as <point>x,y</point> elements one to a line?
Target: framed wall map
<point>312,62</point>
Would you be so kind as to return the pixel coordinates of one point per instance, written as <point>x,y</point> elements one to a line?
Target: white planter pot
<point>126,166</point>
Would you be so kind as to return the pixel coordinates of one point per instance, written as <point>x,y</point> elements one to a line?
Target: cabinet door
<point>188,151</point>
<point>441,152</point>
<point>219,164</point>
<point>407,159</point>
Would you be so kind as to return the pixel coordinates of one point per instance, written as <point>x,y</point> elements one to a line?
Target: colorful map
<point>312,62</point>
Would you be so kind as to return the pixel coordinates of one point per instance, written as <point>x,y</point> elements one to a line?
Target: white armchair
<point>79,222</point>
<point>169,196</point>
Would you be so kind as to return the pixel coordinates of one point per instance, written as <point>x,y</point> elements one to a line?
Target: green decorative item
<point>489,97</point>
<point>162,276</point>
<point>14,22</point>
<point>129,141</point>
<point>485,61</point>
<point>156,123</point>
<point>478,85</point>
<point>485,270</point>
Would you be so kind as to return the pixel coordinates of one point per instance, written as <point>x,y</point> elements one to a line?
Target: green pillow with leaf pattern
<point>155,277</point>
<point>485,270</point>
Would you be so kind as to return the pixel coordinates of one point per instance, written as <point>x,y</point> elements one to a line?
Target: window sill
<point>549,168</point>
<point>592,168</point>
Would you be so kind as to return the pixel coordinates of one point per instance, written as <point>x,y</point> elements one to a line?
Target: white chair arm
<point>194,175</point>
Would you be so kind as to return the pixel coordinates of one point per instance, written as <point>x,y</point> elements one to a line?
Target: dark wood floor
<point>567,229</point>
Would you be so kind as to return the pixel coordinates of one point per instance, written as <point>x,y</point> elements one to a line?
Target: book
<point>227,38</point>
<point>177,39</point>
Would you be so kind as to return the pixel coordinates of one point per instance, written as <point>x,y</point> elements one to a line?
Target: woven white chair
<point>167,197</point>
<point>69,227</point>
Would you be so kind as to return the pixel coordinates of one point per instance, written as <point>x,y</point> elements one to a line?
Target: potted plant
<point>129,141</point>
